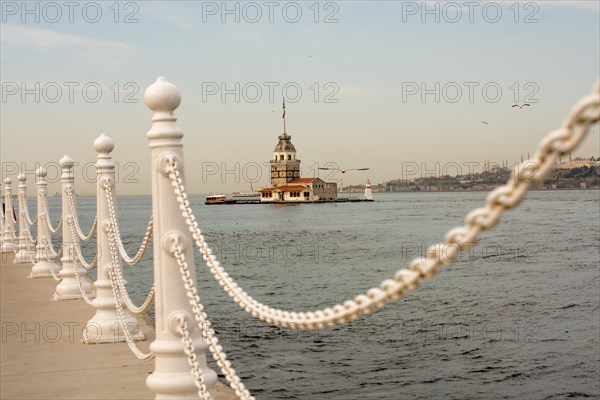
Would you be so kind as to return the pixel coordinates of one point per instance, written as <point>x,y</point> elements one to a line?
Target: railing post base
<point>23,256</point>
<point>8,247</point>
<point>44,269</point>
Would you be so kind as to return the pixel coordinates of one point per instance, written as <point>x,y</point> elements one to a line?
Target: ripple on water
<point>515,318</point>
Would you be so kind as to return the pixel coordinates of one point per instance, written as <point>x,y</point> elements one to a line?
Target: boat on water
<point>218,199</point>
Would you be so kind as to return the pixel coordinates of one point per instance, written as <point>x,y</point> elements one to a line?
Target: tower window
<point>289,156</point>
<point>281,156</point>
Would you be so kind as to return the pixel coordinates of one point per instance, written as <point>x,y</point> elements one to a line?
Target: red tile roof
<point>291,188</point>
<point>302,180</point>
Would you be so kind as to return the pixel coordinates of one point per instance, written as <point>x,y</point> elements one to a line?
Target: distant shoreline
<point>473,190</point>
<point>357,193</point>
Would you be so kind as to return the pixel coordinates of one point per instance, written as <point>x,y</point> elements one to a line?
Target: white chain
<point>47,242</point>
<point>47,212</point>
<point>73,224</point>
<point>56,277</point>
<point>114,241</point>
<point>92,229</point>
<point>71,201</point>
<point>190,351</point>
<point>25,214</point>
<point>113,218</point>
<point>77,246</point>
<point>22,197</point>
<point>556,143</point>
<point>30,236</point>
<point>81,289</point>
<point>13,214</point>
<point>48,247</point>
<point>120,294</point>
<point>205,326</point>
<point>121,281</point>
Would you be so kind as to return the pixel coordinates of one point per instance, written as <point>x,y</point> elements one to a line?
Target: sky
<point>404,88</point>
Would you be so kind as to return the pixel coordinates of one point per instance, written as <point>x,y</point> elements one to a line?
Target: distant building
<point>578,163</point>
<point>286,183</point>
<point>300,190</point>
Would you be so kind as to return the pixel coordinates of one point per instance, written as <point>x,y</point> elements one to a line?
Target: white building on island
<point>286,183</point>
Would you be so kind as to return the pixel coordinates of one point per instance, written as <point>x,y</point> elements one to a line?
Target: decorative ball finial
<point>104,144</point>
<point>41,172</point>
<point>22,178</point>
<point>8,181</point>
<point>162,96</point>
<point>66,162</point>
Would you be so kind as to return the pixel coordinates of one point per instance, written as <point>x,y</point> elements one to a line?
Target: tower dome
<point>285,144</point>
<point>284,150</point>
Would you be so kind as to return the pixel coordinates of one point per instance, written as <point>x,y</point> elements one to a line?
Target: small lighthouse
<point>368,191</point>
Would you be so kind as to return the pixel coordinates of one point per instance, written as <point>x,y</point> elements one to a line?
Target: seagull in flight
<point>524,105</point>
<point>343,171</point>
<point>484,122</point>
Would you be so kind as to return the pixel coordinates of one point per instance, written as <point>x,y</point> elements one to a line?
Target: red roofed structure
<point>302,180</point>
<point>286,184</point>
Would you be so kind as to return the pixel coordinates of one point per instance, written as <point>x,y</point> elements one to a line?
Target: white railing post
<point>44,252</point>
<point>104,326</point>
<point>1,219</point>
<point>8,234</point>
<point>171,378</point>
<point>68,287</point>
<point>25,247</point>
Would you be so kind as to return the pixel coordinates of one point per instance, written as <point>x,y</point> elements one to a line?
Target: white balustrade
<point>104,326</point>
<point>45,265</point>
<point>8,233</point>
<point>68,287</point>
<point>171,378</point>
<point>1,219</point>
<point>25,247</point>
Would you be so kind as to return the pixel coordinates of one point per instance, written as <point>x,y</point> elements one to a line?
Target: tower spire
<point>283,116</point>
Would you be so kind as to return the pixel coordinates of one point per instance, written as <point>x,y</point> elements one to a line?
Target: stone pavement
<point>41,353</point>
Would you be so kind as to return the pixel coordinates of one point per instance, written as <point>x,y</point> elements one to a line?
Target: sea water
<point>516,317</point>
